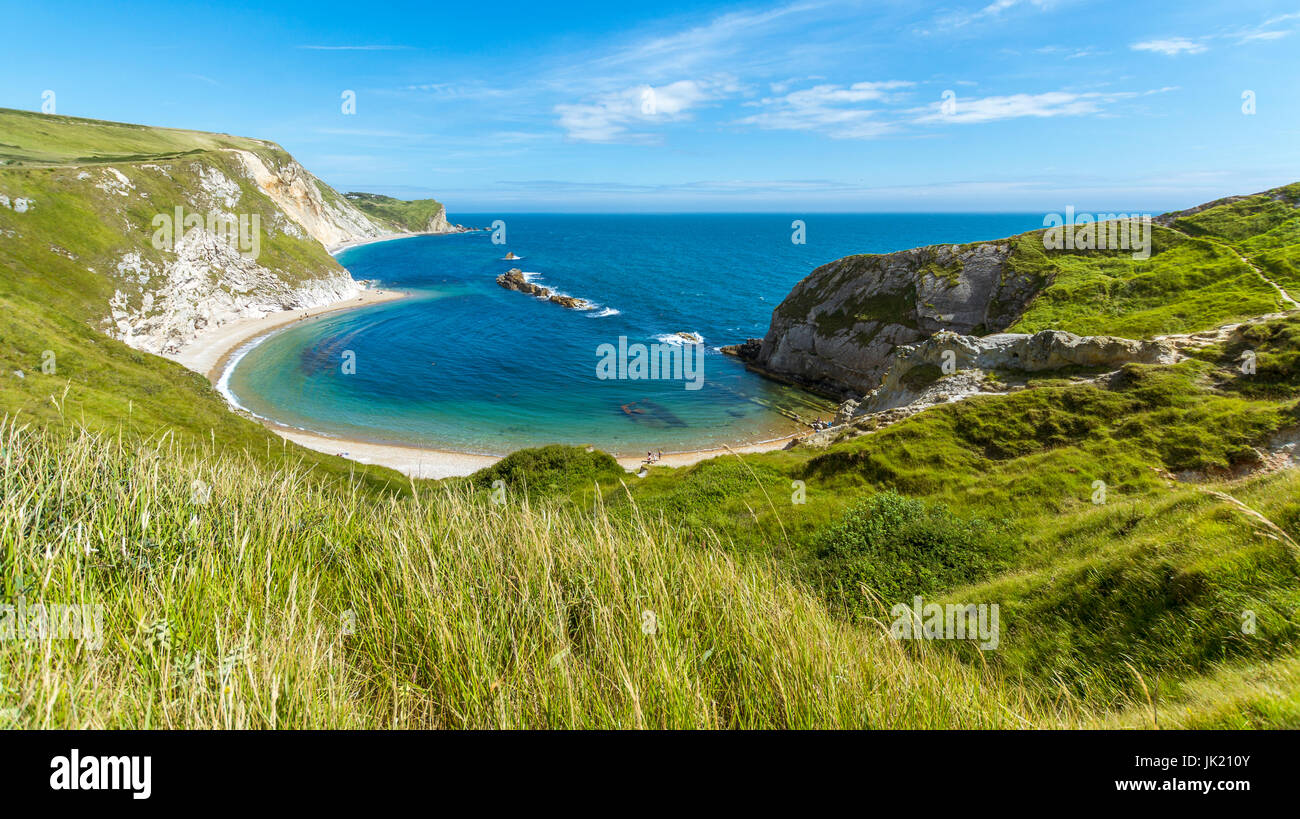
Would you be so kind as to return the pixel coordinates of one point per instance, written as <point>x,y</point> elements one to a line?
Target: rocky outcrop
<point>300,196</point>
<point>956,365</point>
<point>438,224</point>
<point>187,243</point>
<point>167,293</point>
<point>207,283</point>
<point>514,279</point>
<point>949,367</point>
<point>839,327</point>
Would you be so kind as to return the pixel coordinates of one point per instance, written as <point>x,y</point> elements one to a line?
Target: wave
<point>679,338</point>
<point>596,309</point>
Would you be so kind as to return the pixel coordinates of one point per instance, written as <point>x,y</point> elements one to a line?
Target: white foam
<point>673,338</point>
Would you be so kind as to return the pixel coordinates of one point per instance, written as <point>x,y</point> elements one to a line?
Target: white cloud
<point>1014,106</point>
<point>834,110</point>
<point>1170,47</point>
<point>609,117</point>
<point>726,37</point>
<point>1263,35</point>
<point>989,11</point>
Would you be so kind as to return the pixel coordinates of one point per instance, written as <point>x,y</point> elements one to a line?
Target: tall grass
<point>267,599</point>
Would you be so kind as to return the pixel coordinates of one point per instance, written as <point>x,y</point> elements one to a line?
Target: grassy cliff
<point>414,215</point>
<point>77,259</point>
<point>1138,529</point>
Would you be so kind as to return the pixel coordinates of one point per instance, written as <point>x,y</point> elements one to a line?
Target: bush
<point>549,470</point>
<point>898,547</point>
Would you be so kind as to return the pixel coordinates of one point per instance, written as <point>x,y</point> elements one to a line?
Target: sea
<point>466,365</point>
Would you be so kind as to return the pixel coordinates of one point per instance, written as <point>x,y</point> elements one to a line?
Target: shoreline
<point>335,250</point>
<point>211,349</point>
<point>210,354</point>
<point>428,463</point>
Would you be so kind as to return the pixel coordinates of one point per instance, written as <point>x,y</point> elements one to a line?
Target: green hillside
<point>1137,530</point>
<point>412,215</point>
<point>61,264</point>
<point>1224,263</point>
<point>36,140</point>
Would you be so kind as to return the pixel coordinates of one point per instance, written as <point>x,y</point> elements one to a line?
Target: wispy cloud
<point>1015,106</point>
<point>835,110</point>
<point>682,53</point>
<point>1071,53</point>
<point>1171,46</point>
<point>990,11</point>
<point>366,132</point>
<point>1267,30</point>
<point>1274,28</point>
<point>461,91</point>
<point>610,117</point>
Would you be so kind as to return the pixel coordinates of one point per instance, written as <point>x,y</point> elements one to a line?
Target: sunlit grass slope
<point>278,601</point>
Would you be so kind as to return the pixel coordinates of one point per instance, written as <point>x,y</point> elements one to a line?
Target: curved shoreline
<point>211,349</point>
<point>335,250</point>
<point>214,353</point>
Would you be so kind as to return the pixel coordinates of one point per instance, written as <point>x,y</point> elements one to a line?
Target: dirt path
<point>1286,297</point>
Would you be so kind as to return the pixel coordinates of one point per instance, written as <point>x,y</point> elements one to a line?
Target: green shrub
<point>896,547</point>
<point>549,470</point>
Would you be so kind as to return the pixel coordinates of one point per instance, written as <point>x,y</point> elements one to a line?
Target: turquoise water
<point>470,366</point>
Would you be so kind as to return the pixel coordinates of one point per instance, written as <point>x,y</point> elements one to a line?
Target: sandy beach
<point>210,353</point>
<point>417,462</point>
<point>335,250</point>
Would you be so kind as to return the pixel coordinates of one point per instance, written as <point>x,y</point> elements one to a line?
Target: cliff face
<point>170,244</point>
<point>301,196</point>
<point>1190,271</point>
<point>839,326</point>
<point>400,215</point>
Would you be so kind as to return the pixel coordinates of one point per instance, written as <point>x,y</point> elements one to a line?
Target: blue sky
<point>685,106</point>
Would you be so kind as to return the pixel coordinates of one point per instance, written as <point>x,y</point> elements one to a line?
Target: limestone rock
<point>839,326</point>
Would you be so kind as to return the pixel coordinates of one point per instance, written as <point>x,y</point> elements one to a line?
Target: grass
<point>411,215</point>
<point>1186,285</point>
<point>281,602</point>
<point>32,139</point>
<point>993,500</point>
<point>103,385</point>
<point>247,582</point>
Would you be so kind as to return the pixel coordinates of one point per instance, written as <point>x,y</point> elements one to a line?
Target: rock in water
<point>513,279</point>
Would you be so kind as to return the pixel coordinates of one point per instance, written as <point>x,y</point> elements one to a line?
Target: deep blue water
<point>469,365</point>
